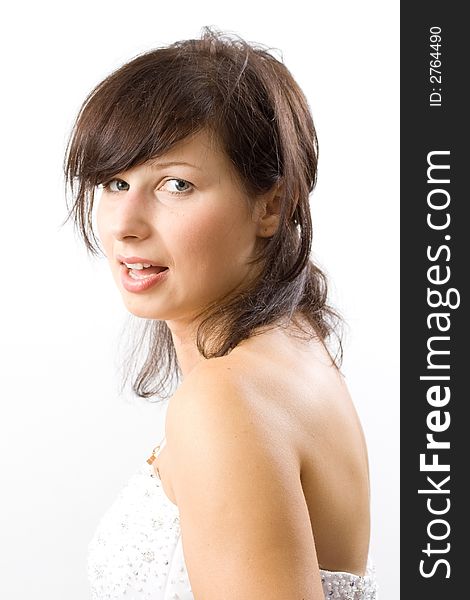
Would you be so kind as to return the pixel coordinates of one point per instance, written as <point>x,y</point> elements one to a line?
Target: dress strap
<point>156,451</point>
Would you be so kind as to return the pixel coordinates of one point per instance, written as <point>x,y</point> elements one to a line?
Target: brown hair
<point>250,102</point>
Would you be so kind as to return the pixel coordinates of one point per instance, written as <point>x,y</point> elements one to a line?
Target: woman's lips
<point>136,259</point>
<point>140,280</point>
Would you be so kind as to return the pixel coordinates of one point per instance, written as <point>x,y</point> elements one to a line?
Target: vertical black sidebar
<point>435,268</point>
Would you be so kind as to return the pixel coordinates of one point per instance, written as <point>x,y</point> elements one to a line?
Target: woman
<point>205,152</point>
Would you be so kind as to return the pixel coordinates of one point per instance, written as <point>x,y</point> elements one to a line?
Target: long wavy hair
<point>250,102</point>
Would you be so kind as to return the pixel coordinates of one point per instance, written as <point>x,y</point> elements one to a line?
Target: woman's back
<point>305,406</point>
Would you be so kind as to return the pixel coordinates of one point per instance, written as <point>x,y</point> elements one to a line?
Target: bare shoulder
<point>266,393</point>
<point>224,400</point>
<point>238,490</point>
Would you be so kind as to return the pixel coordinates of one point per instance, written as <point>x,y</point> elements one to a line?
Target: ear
<point>269,209</point>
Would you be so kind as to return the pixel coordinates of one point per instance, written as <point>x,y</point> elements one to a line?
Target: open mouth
<point>139,274</point>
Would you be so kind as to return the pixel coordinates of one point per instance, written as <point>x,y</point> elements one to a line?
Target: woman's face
<point>185,211</point>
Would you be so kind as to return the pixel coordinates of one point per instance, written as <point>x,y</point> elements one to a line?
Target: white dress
<point>136,552</point>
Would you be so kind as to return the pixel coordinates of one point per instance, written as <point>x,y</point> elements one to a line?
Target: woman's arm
<point>245,526</point>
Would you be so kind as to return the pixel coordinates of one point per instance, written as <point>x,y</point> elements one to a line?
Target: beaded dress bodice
<point>136,552</point>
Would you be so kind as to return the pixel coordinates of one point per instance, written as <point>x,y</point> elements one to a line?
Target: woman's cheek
<point>199,233</point>
<point>102,229</point>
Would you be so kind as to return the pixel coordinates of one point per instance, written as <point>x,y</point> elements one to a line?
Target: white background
<point>68,441</point>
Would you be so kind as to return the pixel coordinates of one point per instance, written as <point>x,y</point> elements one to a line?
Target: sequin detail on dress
<point>347,586</point>
<point>136,552</point>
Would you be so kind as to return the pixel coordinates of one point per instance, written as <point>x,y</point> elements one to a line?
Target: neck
<point>184,340</point>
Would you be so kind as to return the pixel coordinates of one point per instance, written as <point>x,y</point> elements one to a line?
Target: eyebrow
<point>155,163</point>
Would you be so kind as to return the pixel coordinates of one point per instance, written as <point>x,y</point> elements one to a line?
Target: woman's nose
<point>131,217</point>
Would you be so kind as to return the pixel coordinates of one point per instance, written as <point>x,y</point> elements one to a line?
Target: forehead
<point>199,150</point>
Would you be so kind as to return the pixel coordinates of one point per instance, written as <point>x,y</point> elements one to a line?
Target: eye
<point>107,185</point>
<point>180,186</point>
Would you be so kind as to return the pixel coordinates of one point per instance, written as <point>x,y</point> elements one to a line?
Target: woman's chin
<point>143,310</point>
<point>138,309</point>
<point>144,315</point>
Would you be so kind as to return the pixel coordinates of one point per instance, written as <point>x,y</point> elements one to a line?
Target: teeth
<point>137,265</point>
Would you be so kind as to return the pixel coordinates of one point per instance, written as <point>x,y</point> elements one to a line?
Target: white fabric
<point>136,552</point>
